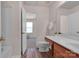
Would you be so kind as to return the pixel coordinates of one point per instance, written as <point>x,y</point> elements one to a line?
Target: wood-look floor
<point>34,53</point>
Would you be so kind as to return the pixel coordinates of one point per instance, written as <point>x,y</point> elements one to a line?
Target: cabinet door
<point>57,54</point>
<point>70,54</point>
<point>58,51</point>
<point>61,52</point>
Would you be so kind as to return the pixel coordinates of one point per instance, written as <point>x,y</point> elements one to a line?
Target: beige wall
<point>11,25</point>
<point>41,21</point>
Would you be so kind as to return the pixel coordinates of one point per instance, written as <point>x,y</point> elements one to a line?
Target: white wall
<point>63,24</point>
<point>11,25</point>
<point>54,18</point>
<point>0,18</point>
<point>74,22</point>
<point>73,10</point>
<point>41,21</point>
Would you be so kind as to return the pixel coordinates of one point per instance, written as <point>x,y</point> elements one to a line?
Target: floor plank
<point>34,53</point>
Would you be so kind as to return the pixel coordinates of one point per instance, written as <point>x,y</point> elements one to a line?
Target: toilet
<point>43,46</point>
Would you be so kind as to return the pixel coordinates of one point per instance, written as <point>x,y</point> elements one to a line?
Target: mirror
<point>69,18</point>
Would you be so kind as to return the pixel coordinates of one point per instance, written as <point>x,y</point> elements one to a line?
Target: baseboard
<point>17,56</point>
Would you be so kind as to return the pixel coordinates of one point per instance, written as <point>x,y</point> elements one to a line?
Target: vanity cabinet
<point>62,52</point>
<point>58,51</point>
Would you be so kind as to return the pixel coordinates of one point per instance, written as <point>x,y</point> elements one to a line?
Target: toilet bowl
<point>43,46</point>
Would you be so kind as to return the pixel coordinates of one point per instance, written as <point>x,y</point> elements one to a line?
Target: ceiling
<point>5,4</point>
<point>70,4</point>
<point>38,3</point>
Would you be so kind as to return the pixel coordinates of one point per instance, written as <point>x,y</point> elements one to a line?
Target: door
<point>23,34</point>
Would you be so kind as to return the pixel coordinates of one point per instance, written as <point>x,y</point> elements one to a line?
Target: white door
<point>24,35</point>
<point>24,42</point>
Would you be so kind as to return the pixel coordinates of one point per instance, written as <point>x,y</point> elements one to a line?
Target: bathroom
<point>49,21</point>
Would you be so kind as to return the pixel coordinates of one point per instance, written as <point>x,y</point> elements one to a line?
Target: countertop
<point>70,44</point>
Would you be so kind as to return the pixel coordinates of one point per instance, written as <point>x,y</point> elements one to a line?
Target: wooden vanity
<point>59,51</point>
